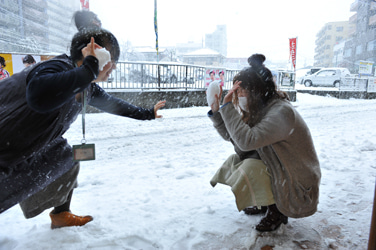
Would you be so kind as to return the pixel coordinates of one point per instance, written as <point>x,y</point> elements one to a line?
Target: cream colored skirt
<point>249,181</point>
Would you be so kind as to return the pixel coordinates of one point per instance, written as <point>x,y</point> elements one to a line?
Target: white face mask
<point>243,103</point>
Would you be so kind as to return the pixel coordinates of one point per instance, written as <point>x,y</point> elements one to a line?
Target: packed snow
<point>149,186</point>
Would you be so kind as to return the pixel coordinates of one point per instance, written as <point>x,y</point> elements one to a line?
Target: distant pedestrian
<point>3,72</point>
<point>28,60</point>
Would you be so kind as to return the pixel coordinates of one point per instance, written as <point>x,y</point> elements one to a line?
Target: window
<point>358,49</point>
<point>371,45</point>
<point>326,73</point>
<point>348,53</point>
<point>339,29</point>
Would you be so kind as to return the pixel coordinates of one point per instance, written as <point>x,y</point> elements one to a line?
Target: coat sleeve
<point>219,124</point>
<point>276,125</point>
<point>110,104</point>
<point>53,83</point>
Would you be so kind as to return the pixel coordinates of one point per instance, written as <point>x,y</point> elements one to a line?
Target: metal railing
<point>161,76</point>
<point>169,76</point>
<point>359,84</point>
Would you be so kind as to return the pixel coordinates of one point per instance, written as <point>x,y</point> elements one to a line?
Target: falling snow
<point>149,186</point>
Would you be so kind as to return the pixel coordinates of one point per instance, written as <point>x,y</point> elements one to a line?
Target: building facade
<point>330,35</point>
<point>37,26</point>
<point>361,45</point>
<point>217,40</point>
<point>204,57</point>
<point>184,48</point>
<point>338,52</point>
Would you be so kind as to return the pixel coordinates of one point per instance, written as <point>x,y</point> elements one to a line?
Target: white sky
<point>252,26</point>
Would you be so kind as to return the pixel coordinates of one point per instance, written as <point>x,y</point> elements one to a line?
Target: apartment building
<point>217,40</point>
<point>330,35</point>
<point>36,26</point>
<point>361,45</point>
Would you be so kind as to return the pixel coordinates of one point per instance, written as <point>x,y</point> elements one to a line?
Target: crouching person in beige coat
<point>275,169</point>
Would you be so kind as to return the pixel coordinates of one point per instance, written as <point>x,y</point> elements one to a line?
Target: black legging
<point>66,206</point>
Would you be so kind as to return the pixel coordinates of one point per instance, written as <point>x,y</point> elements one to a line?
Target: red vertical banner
<point>85,4</point>
<point>293,51</point>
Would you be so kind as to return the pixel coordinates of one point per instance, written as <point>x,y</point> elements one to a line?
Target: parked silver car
<point>326,77</point>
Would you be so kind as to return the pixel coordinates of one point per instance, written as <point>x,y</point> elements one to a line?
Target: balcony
<point>353,19</point>
<point>372,20</point>
<point>372,6</point>
<point>40,5</point>
<point>354,6</point>
<point>352,31</point>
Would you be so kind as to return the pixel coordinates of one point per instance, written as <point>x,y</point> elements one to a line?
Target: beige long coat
<point>284,143</point>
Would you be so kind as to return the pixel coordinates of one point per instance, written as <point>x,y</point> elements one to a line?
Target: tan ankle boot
<point>67,219</point>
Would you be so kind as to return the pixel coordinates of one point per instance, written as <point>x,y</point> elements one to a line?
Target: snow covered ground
<point>149,186</point>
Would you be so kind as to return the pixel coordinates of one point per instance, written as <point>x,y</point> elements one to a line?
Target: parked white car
<point>304,73</point>
<point>326,77</point>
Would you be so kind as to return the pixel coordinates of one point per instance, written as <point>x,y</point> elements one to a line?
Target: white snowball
<point>212,90</point>
<point>103,57</point>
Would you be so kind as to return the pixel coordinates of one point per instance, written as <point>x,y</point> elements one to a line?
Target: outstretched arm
<point>110,104</point>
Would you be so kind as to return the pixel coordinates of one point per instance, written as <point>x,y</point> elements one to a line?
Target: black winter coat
<point>37,106</point>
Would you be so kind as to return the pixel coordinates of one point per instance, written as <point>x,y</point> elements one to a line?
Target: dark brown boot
<point>255,210</point>
<point>272,220</point>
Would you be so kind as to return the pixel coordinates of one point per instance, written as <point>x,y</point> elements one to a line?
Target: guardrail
<point>145,75</point>
<point>170,76</point>
<point>360,84</point>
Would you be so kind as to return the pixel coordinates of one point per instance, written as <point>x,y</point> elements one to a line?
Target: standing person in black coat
<point>37,106</point>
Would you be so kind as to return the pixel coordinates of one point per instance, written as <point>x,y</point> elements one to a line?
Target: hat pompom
<point>256,60</point>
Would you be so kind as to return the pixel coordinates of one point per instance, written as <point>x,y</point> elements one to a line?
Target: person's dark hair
<point>85,19</point>
<point>28,59</point>
<point>87,30</point>
<point>2,61</point>
<point>261,88</point>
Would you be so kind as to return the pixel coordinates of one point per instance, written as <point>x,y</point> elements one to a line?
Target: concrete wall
<point>184,99</point>
<point>175,99</point>
<point>341,94</point>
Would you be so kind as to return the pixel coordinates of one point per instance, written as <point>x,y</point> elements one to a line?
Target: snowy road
<point>149,187</point>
